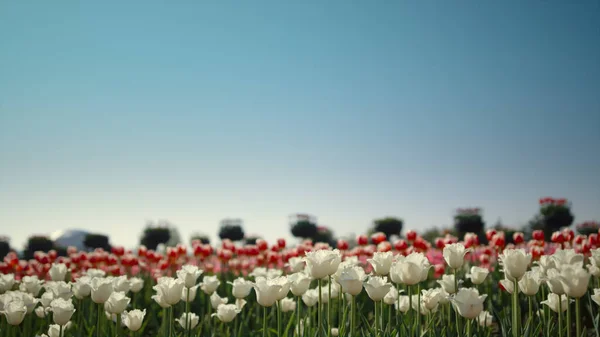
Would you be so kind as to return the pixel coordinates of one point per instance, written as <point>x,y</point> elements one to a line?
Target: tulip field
<point>410,287</point>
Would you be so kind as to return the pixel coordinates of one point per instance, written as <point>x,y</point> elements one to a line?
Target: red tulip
<point>579,239</point>
<point>377,238</point>
<point>281,243</point>
<point>538,235</point>
<point>439,243</point>
<point>342,244</point>
<point>489,234</point>
<point>484,258</point>
<point>142,250</point>
<point>52,255</point>
<point>518,238</point>
<point>118,250</point>
<point>362,240</point>
<point>438,270</point>
<point>557,237</point>
<point>568,234</point>
<point>384,246</point>
<point>593,239</point>
<point>411,235</point>
<point>400,245</point>
<point>262,245</point>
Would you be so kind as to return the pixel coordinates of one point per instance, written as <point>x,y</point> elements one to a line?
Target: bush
<point>231,232</point>
<point>93,241</point>
<point>468,221</point>
<point>37,243</point>
<point>153,236</point>
<point>203,238</point>
<point>388,226</point>
<point>304,229</point>
<point>4,248</point>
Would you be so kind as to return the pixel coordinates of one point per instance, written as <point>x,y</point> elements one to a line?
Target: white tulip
<point>273,273</point>
<point>296,264</point>
<point>121,283</point>
<point>226,312</point>
<point>93,273</point>
<point>567,257</point>
<point>335,332</point>
<point>267,291</point>
<point>382,262</point>
<point>62,311</point>
<point>6,282</point>
<point>29,301</point>
<point>411,269</point>
<point>431,298</point>
<point>454,255</point>
<point>404,303</point>
<point>258,272</point>
<point>60,289</point>
<point>158,298</point>
<point>58,271</point>
<point>31,284</point>
<point>553,281</point>
<point>240,303</point>
<point>322,263</point>
<point>468,302</point>
<point>377,287</point>
<point>530,283</point>
<point>299,283</point>
<point>189,275</point>
<point>169,289</point>
<point>186,320</point>
<point>101,289</point>
<point>478,274</point>
<point>351,279</point>
<point>117,302</point>
<point>545,263</point>
<point>137,284</point>
<point>508,285</point>
<point>596,296</point>
<point>447,282</point>
<point>575,280</point>
<point>82,288</point>
<point>40,312</point>
<point>47,298</point>
<point>210,284</point>
<point>241,287</point>
<point>185,297</point>
<point>391,297</point>
<point>287,304</point>
<point>216,300</point>
<point>485,319</point>
<point>515,263</point>
<point>310,297</point>
<point>553,302</point>
<point>53,331</point>
<point>133,319</point>
<point>15,312</point>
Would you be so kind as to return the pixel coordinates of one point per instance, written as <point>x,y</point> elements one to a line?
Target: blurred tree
<point>325,235</point>
<point>4,246</point>
<point>468,220</point>
<point>433,233</point>
<point>554,215</point>
<point>37,243</point>
<point>203,238</point>
<point>93,241</point>
<point>303,226</point>
<point>153,236</point>
<point>388,226</point>
<point>251,239</point>
<point>231,229</point>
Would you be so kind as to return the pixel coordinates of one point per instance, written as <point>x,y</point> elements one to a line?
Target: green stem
<point>118,330</point>
<point>515,317</point>
<point>468,328</point>
<point>530,298</point>
<point>456,311</point>
<point>568,318</point>
<point>389,315</point>
<point>298,299</point>
<point>376,320</point>
<point>398,304</point>
<point>577,318</point>
<point>264,332</point>
<point>98,320</point>
<point>187,313</point>
<point>329,308</point>
<point>320,309</point>
<point>560,316</point>
<point>410,308</point>
<point>278,319</point>
<point>419,311</point>
<point>60,331</point>
<point>353,316</point>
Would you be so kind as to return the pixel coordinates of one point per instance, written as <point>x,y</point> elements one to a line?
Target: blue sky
<point>112,113</point>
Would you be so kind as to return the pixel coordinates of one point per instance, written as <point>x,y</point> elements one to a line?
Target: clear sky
<point>116,112</point>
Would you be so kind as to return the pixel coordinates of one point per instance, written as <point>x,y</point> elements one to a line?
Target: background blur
<point>113,114</point>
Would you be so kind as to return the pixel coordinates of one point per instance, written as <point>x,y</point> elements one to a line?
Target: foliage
<point>388,226</point>
<point>4,247</point>
<point>588,227</point>
<point>37,243</point>
<point>94,241</point>
<point>468,220</point>
<point>153,236</point>
<point>231,229</point>
<point>554,214</point>
<point>251,239</point>
<point>304,229</point>
<point>325,235</point>
<point>203,238</point>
